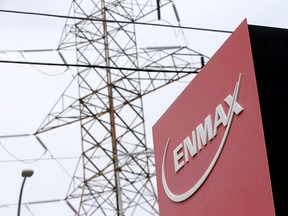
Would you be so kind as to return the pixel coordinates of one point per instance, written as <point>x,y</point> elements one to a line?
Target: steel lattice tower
<point>117,171</point>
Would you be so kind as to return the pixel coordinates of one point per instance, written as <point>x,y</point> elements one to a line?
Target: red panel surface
<point>238,183</point>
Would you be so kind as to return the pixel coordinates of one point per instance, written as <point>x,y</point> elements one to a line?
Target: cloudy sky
<point>28,93</point>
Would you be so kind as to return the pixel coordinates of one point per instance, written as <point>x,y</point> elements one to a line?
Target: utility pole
<point>117,174</point>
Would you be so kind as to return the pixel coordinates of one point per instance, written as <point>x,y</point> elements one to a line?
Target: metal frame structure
<point>116,175</point>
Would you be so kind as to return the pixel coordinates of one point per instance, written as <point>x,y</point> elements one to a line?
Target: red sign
<point>209,145</point>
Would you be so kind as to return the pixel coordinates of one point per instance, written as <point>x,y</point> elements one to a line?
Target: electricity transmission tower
<point>116,69</point>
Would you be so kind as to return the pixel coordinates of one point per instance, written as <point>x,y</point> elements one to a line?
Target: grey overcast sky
<point>27,93</point>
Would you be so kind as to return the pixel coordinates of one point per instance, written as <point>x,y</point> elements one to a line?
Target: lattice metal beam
<point>117,172</point>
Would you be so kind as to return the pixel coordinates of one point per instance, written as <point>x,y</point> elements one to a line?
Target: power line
<point>113,21</point>
<point>195,70</point>
<point>33,160</point>
<point>32,203</point>
<point>42,159</point>
<point>30,50</point>
<point>18,159</point>
<point>21,53</point>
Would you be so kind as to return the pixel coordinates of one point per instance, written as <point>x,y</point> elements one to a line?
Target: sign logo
<point>199,139</point>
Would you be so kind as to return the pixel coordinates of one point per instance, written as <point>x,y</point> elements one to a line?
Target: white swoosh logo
<point>191,191</point>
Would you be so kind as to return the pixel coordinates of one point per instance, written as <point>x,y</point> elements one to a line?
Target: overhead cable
<point>34,160</point>
<point>195,70</point>
<point>32,203</point>
<point>42,159</point>
<point>29,50</point>
<point>43,72</point>
<point>22,160</point>
<point>113,21</point>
